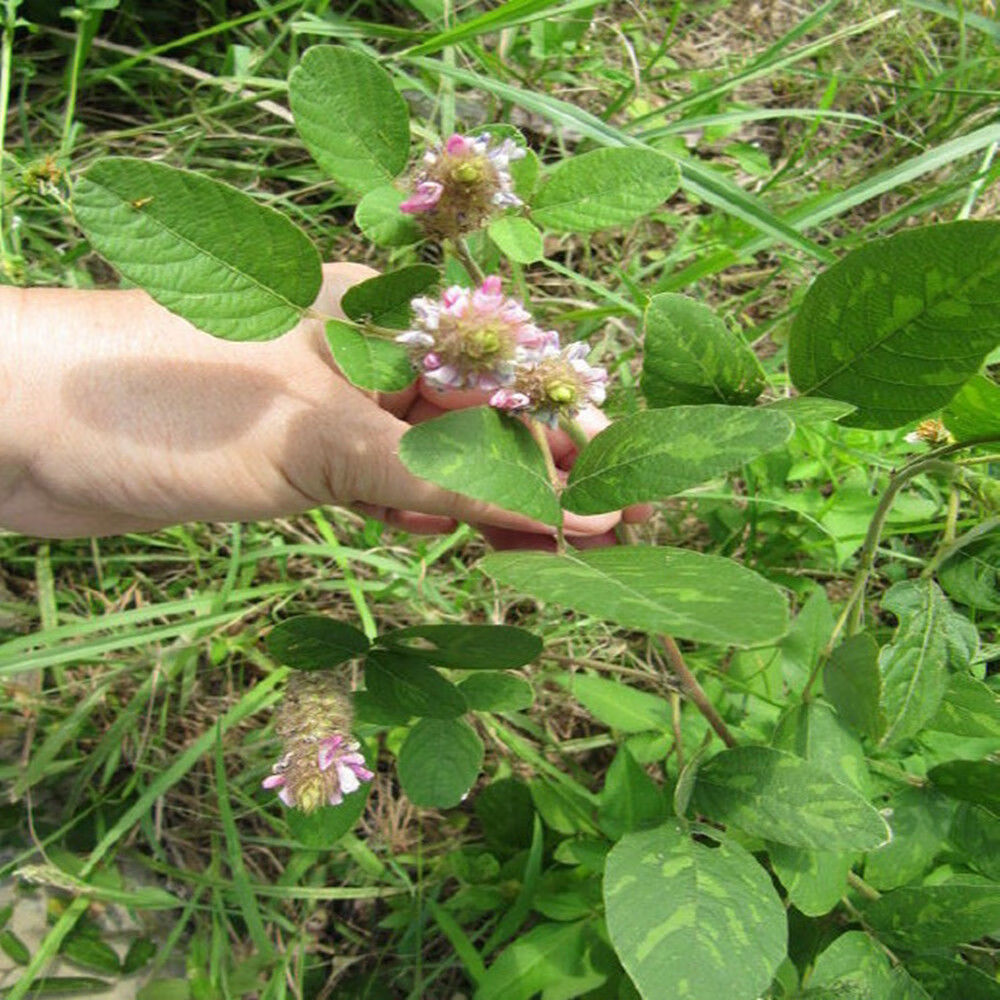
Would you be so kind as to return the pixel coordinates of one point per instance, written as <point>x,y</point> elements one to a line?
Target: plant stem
<point>82,29</point>
<point>537,429</point>
<point>6,61</point>
<point>461,250</point>
<point>695,691</point>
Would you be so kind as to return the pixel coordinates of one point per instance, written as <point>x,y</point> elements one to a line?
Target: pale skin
<point>117,416</point>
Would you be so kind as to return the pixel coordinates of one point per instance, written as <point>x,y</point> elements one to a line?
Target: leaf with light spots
<point>900,324</point>
<point>689,921</point>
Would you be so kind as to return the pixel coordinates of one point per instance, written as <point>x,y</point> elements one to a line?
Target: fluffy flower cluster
<point>481,339</point>
<point>932,432</point>
<point>462,184</point>
<point>319,764</point>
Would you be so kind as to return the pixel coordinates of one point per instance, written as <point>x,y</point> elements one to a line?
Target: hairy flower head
<point>473,338</point>
<point>932,432</point>
<point>320,763</point>
<point>462,184</point>
<point>553,384</point>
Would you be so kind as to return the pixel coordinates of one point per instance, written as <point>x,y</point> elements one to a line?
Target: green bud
<point>561,393</point>
<point>482,343</point>
<point>467,173</point>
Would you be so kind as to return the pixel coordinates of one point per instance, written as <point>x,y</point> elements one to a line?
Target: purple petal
<point>335,798</point>
<point>286,796</point>
<point>424,198</point>
<point>349,781</point>
<point>273,781</point>
<point>415,338</point>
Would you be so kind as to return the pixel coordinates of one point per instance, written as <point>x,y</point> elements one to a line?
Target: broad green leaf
<point>544,956</point>
<point>852,681</point>
<point>369,362</point>
<point>900,324</point>
<point>772,794</point>
<point>438,762</point>
<point>969,781</point>
<point>692,922</point>
<point>914,666</point>
<point>806,410</point>
<point>506,813</point>
<point>619,706</point>
<point>379,218</point>
<point>195,245</point>
<point>484,455</point>
<point>924,917</point>
<point>466,647</point>
<point>323,828</point>
<point>385,299</point>
<point>972,575</point>
<point>495,692</point>
<point>657,453</point>
<point>605,187</point>
<point>398,680</point>
<point>947,979</point>
<point>517,239</point>
<point>902,986</point>
<point>314,642</point>
<point>691,356</point>
<point>630,799</point>
<point>969,708</point>
<point>687,594</point>
<point>814,880</point>
<point>975,411</point>
<point>853,960</point>
<point>975,831</point>
<point>919,818</point>
<point>350,117</point>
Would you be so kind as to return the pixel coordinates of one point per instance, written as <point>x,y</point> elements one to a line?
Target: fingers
<point>407,520</point>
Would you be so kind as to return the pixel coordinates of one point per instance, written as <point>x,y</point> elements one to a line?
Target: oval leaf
<point>493,692</point>
<point>371,363</point>
<point>484,455</point>
<point>322,828</point>
<point>466,647</point>
<point>412,686</point>
<point>658,453</point>
<point>385,299</point>
<point>605,187</point>
<point>194,245</point>
<point>851,680</point>
<point>975,411</point>
<point>687,594</point>
<point>691,356</point>
<point>900,324</point>
<point>312,642</point>
<point>350,117</point>
<point>517,239</point>
<point>379,218</point>
<point>691,922</point>
<point>772,794</point>
<point>439,761</point>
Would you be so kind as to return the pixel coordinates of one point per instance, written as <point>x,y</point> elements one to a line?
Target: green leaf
<point>902,986</point>
<point>91,953</point>
<point>691,356</point>
<point>657,453</point>
<point>140,953</point>
<point>900,324</point>
<point>772,794</point>
<point>605,187</point>
<point>852,681</point>
<point>371,363</point>
<point>350,116</point>
<point>630,799</point>
<point>914,666</point>
<point>690,922</point>
<point>517,239</point>
<point>322,828</point>
<point>969,781</point>
<point>314,642</point>
<point>807,410</point>
<point>975,831</point>
<point>814,880</point>
<point>396,680</point>
<point>495,692</point>
<point>925,917</point>
<point>687,594</point>
<point>165,989</point>
<point>439,761</point>
<point>946,979</point>
<point>544,956</point>
<point>14,948</point>
<point>482,454</point>
<point>379,218</point>
<point>194,245</point>
<point>385,299</point>
<point>853,960</point>
<point>466,647</point>
<point>506,813</point>
<point>619,706</point>
<point>969,708</point>
<point>48,986</point>
<point>972,575</point>
<point>975,411</point>
<point>919,818</point>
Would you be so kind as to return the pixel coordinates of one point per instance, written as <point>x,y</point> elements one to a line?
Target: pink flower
<point>472,338</point>
<point>313,774</point>
<point>424,198</point>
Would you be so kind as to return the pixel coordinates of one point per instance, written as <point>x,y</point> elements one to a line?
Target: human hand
<point>120,416</point>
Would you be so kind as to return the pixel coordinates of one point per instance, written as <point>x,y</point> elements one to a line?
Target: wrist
<point>17,435</point>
